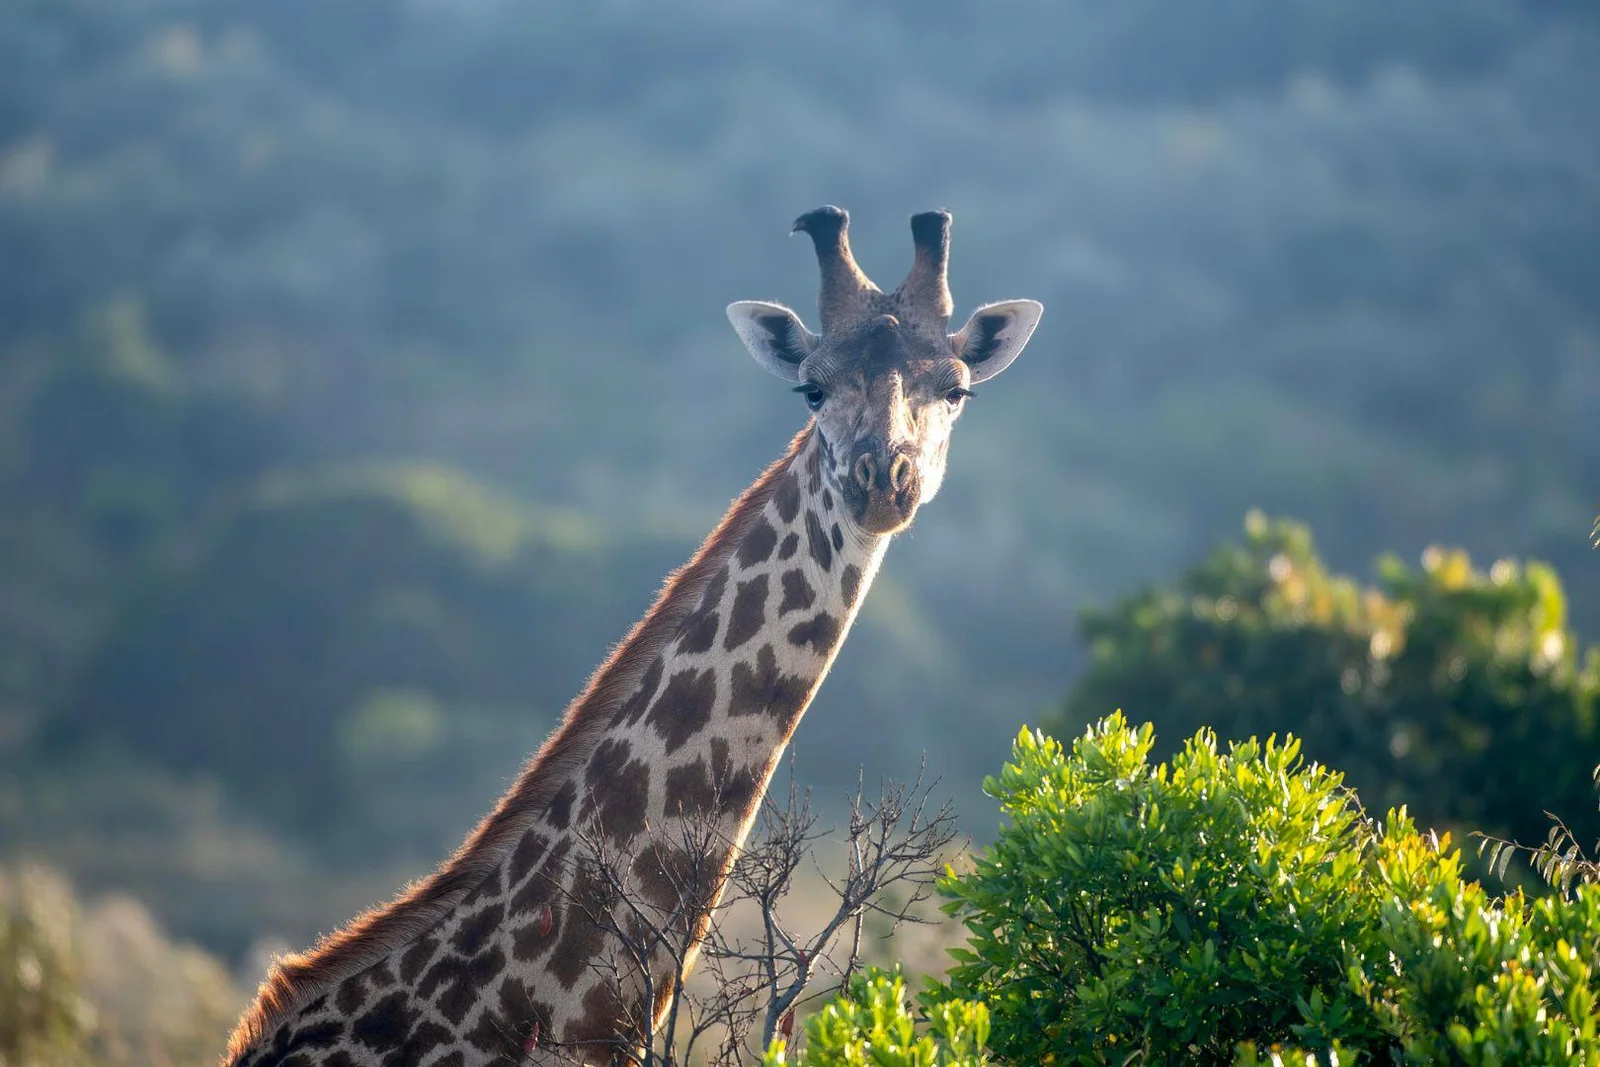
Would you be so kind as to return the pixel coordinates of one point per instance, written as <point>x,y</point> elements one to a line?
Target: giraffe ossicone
<point>507,953</point>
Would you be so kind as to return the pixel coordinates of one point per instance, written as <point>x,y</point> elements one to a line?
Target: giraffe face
<point>885,400</point>
<point>885,394</point>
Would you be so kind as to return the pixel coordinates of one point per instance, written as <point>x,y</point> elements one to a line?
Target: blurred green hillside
<point>363,368</point>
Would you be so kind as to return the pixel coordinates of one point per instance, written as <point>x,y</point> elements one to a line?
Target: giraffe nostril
<point>864,470</point>
<point>900,472</point>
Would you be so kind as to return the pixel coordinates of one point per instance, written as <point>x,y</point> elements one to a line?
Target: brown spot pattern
<point>352,991</point>
<point>765,690</point>
<point>417,957</point>
<point>689,789</point>
<point>850,583</point>
<point>476,930</point>
<point>520,1015</point>
<point>559,813</point>
<point>757,544</point>
<point>721,763</point>
<point>820,632</point>
<point>608,759</point>
<point>460,982</point>
<point>838,538</point>
<point>790,544</point>
<point>714,589</point>
<point>491,1036</point>
<point>749,612</point>
<point>541,887</point>
<point>581,939</point>
<point>531,846</point>
<point>699,629</point>
<point>384,1027</point>
<point>318,1035</point>
<point>787,496</point>
<point>635,705</point>
<point>737,791</point>
<point>487,889</point>
<point>817,541</point>
<point>813,470</point>
<point>699,789</point>
<point>506,1026</point>
<point>699,632</point>
<point>797,593</point>
<point>684,706</point>
<point>619,789</point>
<point>666,875</point>
<point>602,1023</point>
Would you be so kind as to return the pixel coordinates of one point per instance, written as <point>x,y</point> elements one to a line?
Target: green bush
<point>1458,694</point>
<point>871,1024</point>
<point>1459,977</point>
<point>1168,913</point>
<point>1239,907</point>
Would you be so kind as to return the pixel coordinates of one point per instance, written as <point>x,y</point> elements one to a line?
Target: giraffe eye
<point>955,396</point>
<point>814,396</point>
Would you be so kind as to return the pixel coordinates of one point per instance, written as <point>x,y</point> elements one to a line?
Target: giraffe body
<point>507,954</point>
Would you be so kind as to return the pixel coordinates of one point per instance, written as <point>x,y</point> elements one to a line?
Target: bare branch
<point>756,969</point>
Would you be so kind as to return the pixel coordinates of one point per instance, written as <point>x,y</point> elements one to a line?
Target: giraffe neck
<point>504,951</point>
<point>721,700</point>
<point>677,780</point>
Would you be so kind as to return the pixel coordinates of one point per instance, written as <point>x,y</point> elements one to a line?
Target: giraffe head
<point>884,378</point>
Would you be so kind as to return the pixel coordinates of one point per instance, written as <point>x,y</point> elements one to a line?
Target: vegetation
<point>1460,694</point>
<point>1161,912</point>
<point>870,1023</point>
<point>1229,907</point>
<point>101,983</point>
<point>43,1018</point>
<point>1226,907</point>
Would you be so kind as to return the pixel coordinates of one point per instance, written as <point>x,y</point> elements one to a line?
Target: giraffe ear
<point>775,336</point>
<point>994,336</point>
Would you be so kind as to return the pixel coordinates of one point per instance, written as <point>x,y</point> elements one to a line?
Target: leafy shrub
<point>1164,912</point>
<point>1239,907</point>
<point>1456,693</point>
<point>1458,977</point>
<point>870,1023</point>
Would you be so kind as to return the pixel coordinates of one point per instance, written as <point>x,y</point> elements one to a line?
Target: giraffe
<point>492,959</point>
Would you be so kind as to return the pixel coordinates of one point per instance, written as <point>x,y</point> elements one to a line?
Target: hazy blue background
<point>363,368</point>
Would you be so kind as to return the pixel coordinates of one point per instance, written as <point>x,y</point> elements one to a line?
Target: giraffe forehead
<point>875,343</point>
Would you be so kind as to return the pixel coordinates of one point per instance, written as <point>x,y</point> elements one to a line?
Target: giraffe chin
<point>887,513</point>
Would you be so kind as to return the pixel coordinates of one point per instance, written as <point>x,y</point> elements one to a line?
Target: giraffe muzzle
<point>884,490</point>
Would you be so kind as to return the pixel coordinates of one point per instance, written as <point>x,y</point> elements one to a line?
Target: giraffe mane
<point>297,978</point>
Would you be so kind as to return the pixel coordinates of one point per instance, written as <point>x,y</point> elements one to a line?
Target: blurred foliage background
<point>363,368</point>
<point>1459,694</point>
